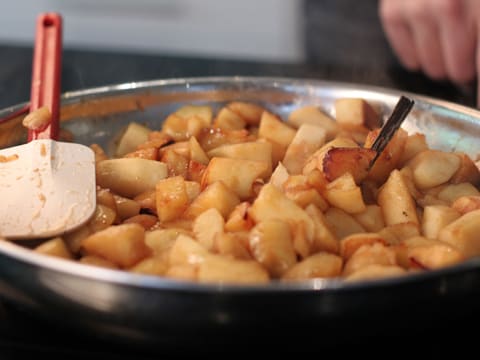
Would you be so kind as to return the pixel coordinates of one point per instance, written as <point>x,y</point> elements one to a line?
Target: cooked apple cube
<point>279,176</point>
<point>324,238</point>
<point>151,266</point>
<point>306,141</point>
<point>207,226</point>
<point>375,271</point>
<point>233,244</point>
<point>220,269</point>
<point>275,130</point>
<point>396,201</point>
<point>217,196</point>
<point>351,243</point>
<point>344,194</point>
<point>414,144</point>
<point>55,247</point>
<point>465,204</point>
<point>249,112</point>
<point>319,265</point>
<point>238,175</point>
<point>468,172</point>
<point>266,207</point>
<point>123,244</point>
<point>238,220</point>
<point>130,176</point>
<point>314,116</point>
<point>452,192</point>
<point>126,207</point>
<point>390,156</point>
<point>396,233</point>
<point>202,112</point>
<point>342,223</point>
<point>432,168</point>
<point>341,160</point>
<point>356,114</point>
<point>227,119</point>
<point>171,198</point>
<point>435,218</point>
<point>253,150</point>
<point>271,245</point>
<point>370,254</point>
<point>371,219</point>
<point>196,152</point>
<point>463,234</point>
<point>187,251</point>
<point>134,135</point>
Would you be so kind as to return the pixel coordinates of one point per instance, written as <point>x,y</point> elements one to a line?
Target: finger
<point>457,38</point>
<point>398,33</point>
<point>427,40</point>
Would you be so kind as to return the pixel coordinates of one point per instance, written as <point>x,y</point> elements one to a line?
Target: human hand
<point>438,37</point>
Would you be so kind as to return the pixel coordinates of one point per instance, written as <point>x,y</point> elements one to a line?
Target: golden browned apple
<point>369,254</point>
<point>319,265</point>
<point>371,219</point>
<point>465,204</point>
<point>216,195</point>
<point>55,247</point>
<point>342,223</point>
<point>314,116</point>
<point>323,239</point>
<point>227,119</point>
<point>396,201</point>
<point>220,269</point>
<point>306,141</point>
<point>351,243</point>
<point>356,114</point>
<point>468,171</point>
<point>238,175</point>
<point>171,198</point>
<point>274,129</point>
<point>130,176</point>
<point>463,234</point>
<point>249,112</point>
<point>272,246</point>
<point>433,167</point>
<point>134,135</point>
<point>340,160</point>
<point>344,194</point>
<point>123,245</point>
<point>207,226</point>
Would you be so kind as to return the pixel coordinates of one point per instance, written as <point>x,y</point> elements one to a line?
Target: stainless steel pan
<point>123,305</point>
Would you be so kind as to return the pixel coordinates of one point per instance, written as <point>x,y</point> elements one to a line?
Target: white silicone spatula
<point>47,187</point>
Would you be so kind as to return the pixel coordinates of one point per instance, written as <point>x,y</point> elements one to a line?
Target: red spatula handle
<point>46,73</point>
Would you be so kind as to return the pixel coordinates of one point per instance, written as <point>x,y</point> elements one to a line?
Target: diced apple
<point>123,244</point>
<point>274,129</point>
<point>220,269</point>
<point>463,234</point>
<point>396,233</point>
<point>465,204</point>
<point>130,176</point>
<point>266,207</point>
<point>340,160</point>
<point>306,141</point>
<point>216,195</point>
<point>468,172</point>
<point>196,152</point>
<point>202,112</point>
<point>344,194</point>
<point>323,239</point>
<point>151,266</point>
<point>254,150</point>
<point>238,175</point>
<point>396,201</point>
<point>171,198</point>
<point>452,192</point>
<point>319,265</point>
<point>351,243</point>
<point>390,156</point>
<point>227,119</point>
<point>238,219</point>
<point>279,176</point>
<point>233,244</point>
<point>371,219</point>
<point>249,112</point>
<point>55,247</point>
<point>370,254</point>
<point>414,144</point>
<point>134,135</point>
<point>375,271</point>
<point>432,167</point>
<point>126,207</point>
<point>314,116</point>
<point>98,261</point>
<point>160,241</point>
<point>298,189</point>
<point>206,227</point>
<point>187,251</point>
<point>356,114</point>
<point>102,218</point>
<point>148,221</point>
<point>271,245</point>
<point>342,223</point>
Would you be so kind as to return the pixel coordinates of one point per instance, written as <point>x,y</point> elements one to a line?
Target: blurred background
<point>115,41</point>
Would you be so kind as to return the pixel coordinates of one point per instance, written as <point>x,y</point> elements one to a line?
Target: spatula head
<point>46,188</point>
